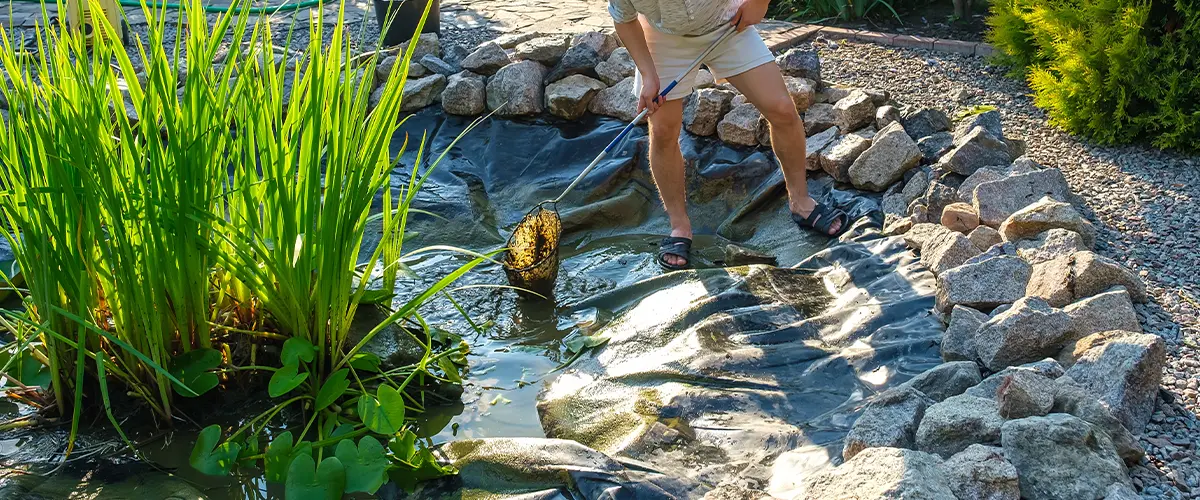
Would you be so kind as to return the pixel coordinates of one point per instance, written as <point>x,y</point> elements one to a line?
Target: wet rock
<point>836,159</point>
<point>437,65</point>
<point>816,143</point>
<point>990,387</point>
<point>1061,456</point>
<point>982,473</point>
<point>881,473</point>
<point>1094,274</point>
<point>960,217</point>
<point>958,344</point>
<point>985,237</point>
<point>617,67</point>
<point>742,125</point>
<point>945,380</point>
<point>947,251</point>
<point>1030,330</point>
<point>819,117</point>
<point>983,285</point>
<point>516,89</point>
<point>704,109</point>
<point>802,90</point>
<point>854,111</point>
<point>569,98</point>
<point>617,101</point>
<point>890,420</point>
<point>1124,373</point>
<point>465,94</point>
<point>1070,398</point>
<point>958,422</point>
<point>989,121</point>
<point>1052,281</point>
<point>1024,393</point>
<point>1044,215</point>
<point>925,122</point>
<point>801,64</point>
<point>547,50</point>
<point>892,153</point>
<point>887,115</point>
<point>934,146</point>
<point>997,200</point>
<point>421,92</point>
<point>978,149</point>
<point>487,59</point>
<point>1050,245</point>
<point>1111,310</point>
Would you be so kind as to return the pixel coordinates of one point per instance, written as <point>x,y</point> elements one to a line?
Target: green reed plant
<point>825,10</point>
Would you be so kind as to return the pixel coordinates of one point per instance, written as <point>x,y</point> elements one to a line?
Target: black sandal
<point>821,219</point>
<point>679,247</point>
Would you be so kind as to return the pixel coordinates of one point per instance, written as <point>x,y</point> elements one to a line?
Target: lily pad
<point>280,454</point>
<point>366,361</point>
<point>332,389</point>
<point>193,368</point>
<point>308,481</point>
<point>383,413</point>
<point>297,349</point>
<point>404,446</point>
<point>209,458</point>
<point>284,380</point>
<point>366,465</point>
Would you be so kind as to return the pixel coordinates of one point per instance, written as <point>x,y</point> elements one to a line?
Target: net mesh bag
<point>531,262</point>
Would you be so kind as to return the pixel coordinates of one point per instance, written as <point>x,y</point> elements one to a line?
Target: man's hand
<point>750,13</point>
<point>648,97</point>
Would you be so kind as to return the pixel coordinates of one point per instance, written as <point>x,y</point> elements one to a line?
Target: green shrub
<point>1114,70</point>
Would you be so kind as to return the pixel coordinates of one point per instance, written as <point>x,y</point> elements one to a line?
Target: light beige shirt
<point>676,17</point>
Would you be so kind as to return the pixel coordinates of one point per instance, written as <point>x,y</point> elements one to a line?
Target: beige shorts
<point>672,54</point>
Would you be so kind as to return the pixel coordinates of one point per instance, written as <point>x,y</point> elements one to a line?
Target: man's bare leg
<point>764,87</point>
<point>667,166</point>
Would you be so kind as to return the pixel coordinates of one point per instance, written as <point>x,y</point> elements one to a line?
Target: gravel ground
<point>1142,200</point>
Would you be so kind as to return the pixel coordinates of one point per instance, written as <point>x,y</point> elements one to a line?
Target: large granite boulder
<point>1061,456</point>
<point>892,153</point>
<point>976,150</point>
<point>945,380</point>
<point>959,342</point>
<point>1050,245</point>
<point>983,285</point>
<point>816,143</point>
<point>516,89</point>
<point>1028,331</point>
<point>801,64</point>
<point>617,67</point>
<point>925,122</point>
<point>488,59</point>
<point>819,117</point>
<point>465,94</point>
<point>421,92</point>
<point>547,50</point>
<point>854,111</point>
<point>569,98</point>
<point>982,473</point>
<point>1046,214</point>
<point>1095,274</point>
<point>1124,373</point>
<point>704,110</point>
<point>890,420</point>
<point>803,92</point>
<point>881,473</point>
<point>617,101</point>
<point>1111,310</point>
<point>952,425</point>
<point>836,159</point>
<point>742,125</point>
<point>1070,398</point>
<point>998,199</point>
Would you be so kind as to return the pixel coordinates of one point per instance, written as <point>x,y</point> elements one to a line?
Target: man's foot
<point>828,220</point>
<point>673,259</point>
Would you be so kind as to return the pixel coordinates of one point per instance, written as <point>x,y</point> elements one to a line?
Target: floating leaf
<point>296,349</point>
<point>450,369</point>
<point>209,458</point>
<point>404,446</point>
<point>284,380</point>
<point>280,454</point>
<point>29,372</point>
<point>366,361</point>
<point>308,481</point>
<point>383,414</point>
<point>332,389</point>
<point>193,368</point>
<point>366,465</point>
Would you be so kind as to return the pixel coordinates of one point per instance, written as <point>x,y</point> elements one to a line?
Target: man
<point>663,37</point>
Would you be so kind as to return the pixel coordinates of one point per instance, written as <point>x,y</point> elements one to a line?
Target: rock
<point>985,237</point>
<point>512,40</point>
<point>1094,274</point>
<point>704,110</point>
<point>966,190</point>
<point>704,79</point>
<point>886,115</point>
<point>945,380</point>
<point>879,97</point>
<point>569,98</point>
<point>816,143</point>
<point>1111,310</point>
<point>1070,398</point>
<point>897,227</point>
<point>547,50</point>
<point>925,122</point>
<point>916,186</point>
<point>516,89</point>
<point>892,153</point>
<point>836,159</point>
<point>1061,456</point>
<point>819,117</point>
<point>976,150</point>
<point>934,146</point>
<point>1052,281</point>
<point>990,387</point>
<point>937,197</point>
<point>960,217</point>
<point>1001,250</point>
<point>617,101</point>
<point>487,59</point>
<point>1074,349</point>
<point>586,52</point>
<point>1024,393</point>
<point>801,64</point>
<point>890,420</point>
<point>982,473</point>
<point>1044,215</point>
<point>921,233</point>
<point>946,251</point>
<point>1124,373</point>
<point>997,200</point>
<point>855,110</point>
<point>989,121</point>
<point>465,94</point>
<point>958,422</point>
<point>454,54</point>
<point>958,344</point>
<point>1050,245</point>
<point>617,67</point>
<point>893,204</point>
<point>427,44</point>
<point>421,92</point>
<point>832,94</point>
<point>734,492</point>
<point>1121,491</point>
<point>437,65</point>
<point>601,43</point>
<point>802,90</point>
<point>742,125</point>
<point>385,67</point>
<point>1029,331</point>
<point>880,473</point>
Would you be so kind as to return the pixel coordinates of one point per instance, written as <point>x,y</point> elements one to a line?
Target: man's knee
<point>665,129</point>
<point>781,113</point>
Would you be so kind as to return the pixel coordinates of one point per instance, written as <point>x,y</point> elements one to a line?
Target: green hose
<point>216,8</point>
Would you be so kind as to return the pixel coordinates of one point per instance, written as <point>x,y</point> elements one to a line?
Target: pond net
<point>531,262</point>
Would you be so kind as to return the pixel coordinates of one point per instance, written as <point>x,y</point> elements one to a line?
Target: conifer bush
<point>1117,71</point>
